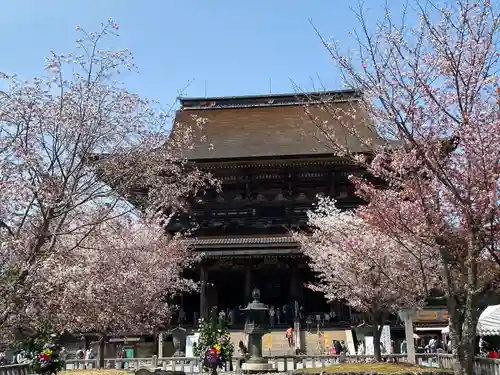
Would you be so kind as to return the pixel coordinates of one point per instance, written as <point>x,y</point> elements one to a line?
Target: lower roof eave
<point>252,253</point>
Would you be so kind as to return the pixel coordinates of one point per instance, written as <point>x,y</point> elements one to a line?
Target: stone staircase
<point>311,342</point>
<point>316,343</point>
<point>273,343</point>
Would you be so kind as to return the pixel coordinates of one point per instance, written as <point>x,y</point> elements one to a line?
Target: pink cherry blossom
<point>89,176</point>
<point>431,93</point>
<point>373,272</point>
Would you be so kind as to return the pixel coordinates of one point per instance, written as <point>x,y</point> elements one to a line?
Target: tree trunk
<point>102,339</point>
<point>376,342</point>
<point>463,323</point>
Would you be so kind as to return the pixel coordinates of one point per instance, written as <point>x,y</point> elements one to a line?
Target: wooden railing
<point>191,365</point>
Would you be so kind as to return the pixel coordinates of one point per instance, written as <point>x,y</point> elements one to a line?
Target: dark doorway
<point>274,284</point>
<point>230,286</point>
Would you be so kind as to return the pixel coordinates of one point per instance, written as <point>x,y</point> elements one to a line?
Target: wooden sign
<point>428,316</point>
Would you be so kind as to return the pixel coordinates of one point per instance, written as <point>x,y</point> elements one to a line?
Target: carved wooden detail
<point>266,201</point>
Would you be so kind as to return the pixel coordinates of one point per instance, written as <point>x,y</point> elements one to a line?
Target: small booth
<point>488,323</point>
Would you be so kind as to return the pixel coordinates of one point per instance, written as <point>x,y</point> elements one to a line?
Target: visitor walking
<point>289,336</point>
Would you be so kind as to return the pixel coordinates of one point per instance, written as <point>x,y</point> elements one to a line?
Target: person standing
<point>123,355</point>
<point>222,317</point>
<point>3,361</point>
<point>289,336</point>
<point>338,347</point>
<point>403,347</point>
<point>272,312</point>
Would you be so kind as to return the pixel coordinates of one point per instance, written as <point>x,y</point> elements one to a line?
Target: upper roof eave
<point>270,96</point>
<point>273,159</point>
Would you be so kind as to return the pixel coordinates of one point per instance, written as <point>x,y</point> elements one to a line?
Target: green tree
<point>212,332</point>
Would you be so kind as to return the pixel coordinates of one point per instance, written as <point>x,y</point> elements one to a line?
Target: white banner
<point>385,340</point>
<point>190,341</point>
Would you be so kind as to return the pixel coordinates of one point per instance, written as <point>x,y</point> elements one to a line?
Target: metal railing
<point>191,365</point>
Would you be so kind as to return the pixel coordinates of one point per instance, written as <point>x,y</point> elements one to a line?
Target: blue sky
<point>232,47</point>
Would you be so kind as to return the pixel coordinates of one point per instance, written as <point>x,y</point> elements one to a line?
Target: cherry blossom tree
<point>430,90</point>
<point>374,273</point>
<point>120,280</point>
<point>75,147</point>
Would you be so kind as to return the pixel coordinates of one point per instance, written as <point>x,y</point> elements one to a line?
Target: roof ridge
<point>270,100</point>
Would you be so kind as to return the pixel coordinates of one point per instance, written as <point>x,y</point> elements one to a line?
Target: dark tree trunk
<point>102,339</point>
<point>377,331</point>
<point>463,323</point>
<point>86,344</point>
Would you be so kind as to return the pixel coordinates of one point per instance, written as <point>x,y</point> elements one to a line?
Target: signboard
<point>369,345</point>
<point>385,339</point>
<point>428,316</point>
<point>268,342</point>
<point>190,341</point>
<point>129,353</point>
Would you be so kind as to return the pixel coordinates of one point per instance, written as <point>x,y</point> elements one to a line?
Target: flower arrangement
<point>46,361</point>
<point>214,346</point>
<point>213,357</point>
<point>42,353</point>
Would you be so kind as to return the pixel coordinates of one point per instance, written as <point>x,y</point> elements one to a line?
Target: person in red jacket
<point>493,354</point>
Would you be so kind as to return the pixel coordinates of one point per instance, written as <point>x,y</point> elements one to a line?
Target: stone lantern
<point>256,325</point>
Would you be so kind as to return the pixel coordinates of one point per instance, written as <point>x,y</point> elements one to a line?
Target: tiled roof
<point>267,126</point>
<point>217,241</point>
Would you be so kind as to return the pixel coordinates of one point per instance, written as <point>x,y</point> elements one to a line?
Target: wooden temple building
<point>272,161</point>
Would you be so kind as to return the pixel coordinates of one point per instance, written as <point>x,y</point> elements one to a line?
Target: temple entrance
<point>282,283</point>
<point>274,284</point>
<point>229,287</point>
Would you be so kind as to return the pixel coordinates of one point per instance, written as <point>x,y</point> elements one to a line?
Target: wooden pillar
<point>248,282</point>
<point>203,292</point>
<point>294,282</point>
<point>333,186</point>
